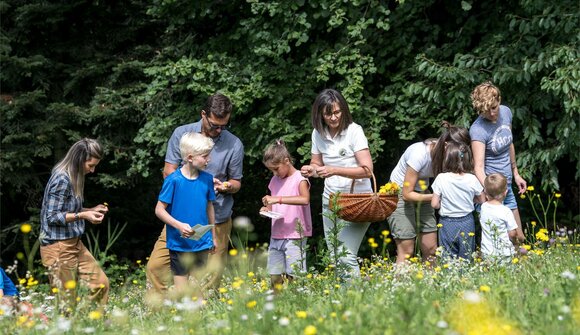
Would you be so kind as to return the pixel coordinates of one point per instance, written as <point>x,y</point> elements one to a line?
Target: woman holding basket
<point>340,152</point>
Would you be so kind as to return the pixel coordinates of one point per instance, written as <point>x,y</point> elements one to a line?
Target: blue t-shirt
<point>187,201</point>
<point>7,285</point>
<point>497,138</point>
<point>226,162</point>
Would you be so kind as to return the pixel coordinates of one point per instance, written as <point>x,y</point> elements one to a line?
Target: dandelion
<point>419,275</point>
<point>515,260</point>
<point>531,188</point>
<point>70,285</point>
<point>233,252</point>
<point>301,314</point>
<point>385,232</point>
<point>251,304</point>
<point>95,315</point>
<point>25,228</point>
<point>534,223</point>
<point>310,330</point>
<point>251,274</point>
<point>484,288</point>
<point>557,195</point>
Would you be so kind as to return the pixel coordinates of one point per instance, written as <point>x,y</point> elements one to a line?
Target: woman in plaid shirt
<point>62,223</point>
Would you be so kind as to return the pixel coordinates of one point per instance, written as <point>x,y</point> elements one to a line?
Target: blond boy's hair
<point>495,186</point>
<point>194,144</point>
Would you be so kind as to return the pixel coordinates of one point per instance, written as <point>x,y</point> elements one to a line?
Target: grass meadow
<point>536,292</point>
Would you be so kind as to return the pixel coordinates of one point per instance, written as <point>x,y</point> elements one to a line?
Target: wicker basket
<point>364,207</point>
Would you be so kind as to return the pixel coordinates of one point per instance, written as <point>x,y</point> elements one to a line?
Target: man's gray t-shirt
<point>226,162</point>
<point>497,138</point>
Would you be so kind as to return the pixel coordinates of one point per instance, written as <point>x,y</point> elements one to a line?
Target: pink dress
<point>285,227</point>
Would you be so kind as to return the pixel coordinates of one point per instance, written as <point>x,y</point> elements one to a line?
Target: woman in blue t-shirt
<point>492,144</point>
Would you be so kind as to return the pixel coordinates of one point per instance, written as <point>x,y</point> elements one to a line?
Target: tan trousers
<point>70,260</point>
<point>159,274</point>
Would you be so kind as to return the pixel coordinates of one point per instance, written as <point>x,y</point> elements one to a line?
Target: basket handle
<point>373,177</point>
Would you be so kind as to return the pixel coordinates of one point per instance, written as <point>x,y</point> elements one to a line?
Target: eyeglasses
<point>215,126</point>
<point>329,115</point>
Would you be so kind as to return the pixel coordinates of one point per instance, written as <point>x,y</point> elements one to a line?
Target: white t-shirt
<point>456,192</point>
<point>496,222</point>
<point>418,157</point>
<point>339,151</point>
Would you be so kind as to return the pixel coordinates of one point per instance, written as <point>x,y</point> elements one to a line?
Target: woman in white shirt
<point>339,152</point>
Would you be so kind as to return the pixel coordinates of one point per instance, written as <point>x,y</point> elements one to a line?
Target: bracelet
<point>77,216</point>
<point>280,200</point>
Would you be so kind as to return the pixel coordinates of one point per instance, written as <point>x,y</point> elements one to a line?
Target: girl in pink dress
<point>289,207</point>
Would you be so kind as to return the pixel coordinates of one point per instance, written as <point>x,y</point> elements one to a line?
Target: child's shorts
<point>403,221</point>
<point>184,263</point>
<point>286,256</point>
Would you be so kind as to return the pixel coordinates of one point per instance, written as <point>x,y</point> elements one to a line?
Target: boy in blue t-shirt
<point>185,206</point>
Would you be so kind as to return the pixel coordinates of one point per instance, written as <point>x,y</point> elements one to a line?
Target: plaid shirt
<point>58,200</point>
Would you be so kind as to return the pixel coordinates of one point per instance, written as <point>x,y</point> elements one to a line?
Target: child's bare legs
<point>180,282</point>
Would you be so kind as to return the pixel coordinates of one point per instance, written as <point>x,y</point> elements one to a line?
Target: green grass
<point>538,294</point>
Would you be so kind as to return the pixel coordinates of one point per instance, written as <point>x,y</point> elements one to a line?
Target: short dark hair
<point>323,103</point>
<point>218,105</point>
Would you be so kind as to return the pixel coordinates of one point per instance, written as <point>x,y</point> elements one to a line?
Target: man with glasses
<point>225,164</point>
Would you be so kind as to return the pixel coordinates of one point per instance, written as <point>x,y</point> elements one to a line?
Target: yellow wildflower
<point>484,288</point>
<point>25,228</point>
<point>70,285</point>
<point>251,304</point>
<point>310,330</point>
<point>301,314</point>
<point>530,188</point>
<point>95,315</point>
<point>557,195</point>
<point>233,252</point>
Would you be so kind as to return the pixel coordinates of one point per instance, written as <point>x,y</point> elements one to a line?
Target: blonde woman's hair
<point>73,163</point>
<point>484,96</point>
<point>495,185</point>
<point>194,144</point>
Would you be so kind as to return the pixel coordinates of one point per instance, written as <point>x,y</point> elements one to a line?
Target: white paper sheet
<point>200,230</point>
<point>272,215</point>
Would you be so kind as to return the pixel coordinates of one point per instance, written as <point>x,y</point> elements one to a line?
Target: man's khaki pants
<point>159,274</point>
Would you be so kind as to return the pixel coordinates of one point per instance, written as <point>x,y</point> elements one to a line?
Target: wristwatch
<point>77,217</point>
